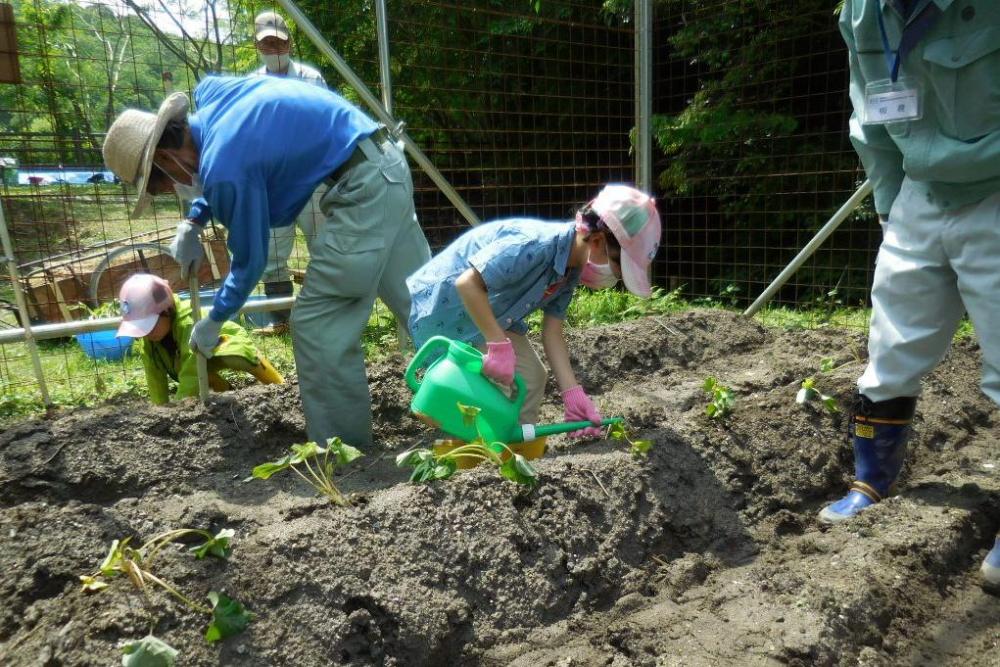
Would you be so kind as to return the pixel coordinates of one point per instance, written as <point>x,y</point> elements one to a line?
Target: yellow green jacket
<point>954,149</point>
<point>163,365</point>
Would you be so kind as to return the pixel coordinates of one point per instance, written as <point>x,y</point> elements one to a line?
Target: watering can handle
<point>522,391</point>
<point>433,343</point>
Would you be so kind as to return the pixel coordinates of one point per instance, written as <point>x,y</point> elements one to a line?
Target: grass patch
<point>75,380</point>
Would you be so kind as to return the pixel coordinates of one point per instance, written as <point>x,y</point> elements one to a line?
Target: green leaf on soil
<point>805,395</point>
<point>640,447</point>
<point>265,470</point>
<point>444,469</point>
<point>217,546</point>
<point>617,431</point>
<point>111,565</point>
<point>518,470</point>
<point>92,583</point>
<point>229,618</point>
<point>148,652</point>
<point>709,384</point>
<point>710,409</point>
<point>826,365</point>
<point>303,451</point>
<point>830,403</point>
<point>413,457</point>
<point>344,453</point>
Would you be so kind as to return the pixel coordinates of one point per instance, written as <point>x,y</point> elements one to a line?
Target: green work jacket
<point>180,365</point>
<point>954,149</point>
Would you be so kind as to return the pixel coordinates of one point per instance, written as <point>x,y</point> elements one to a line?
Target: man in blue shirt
<point>250,158</point>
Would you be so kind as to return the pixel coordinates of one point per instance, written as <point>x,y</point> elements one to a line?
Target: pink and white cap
<point>143,297</point>
<point>632,217</point>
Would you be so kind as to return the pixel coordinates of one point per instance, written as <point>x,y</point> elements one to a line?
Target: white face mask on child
<point>598,276</point>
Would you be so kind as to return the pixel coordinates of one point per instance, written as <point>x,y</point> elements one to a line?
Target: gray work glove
<point>205,337</point>
<point>186,247</point>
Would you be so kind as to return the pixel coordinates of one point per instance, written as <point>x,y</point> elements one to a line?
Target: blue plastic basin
<point>104,345</point>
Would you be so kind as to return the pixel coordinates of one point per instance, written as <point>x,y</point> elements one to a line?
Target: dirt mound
<point>707,550</point>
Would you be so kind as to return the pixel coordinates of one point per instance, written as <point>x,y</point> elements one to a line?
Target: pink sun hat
<point>143,297</point>
<point>632,217</point>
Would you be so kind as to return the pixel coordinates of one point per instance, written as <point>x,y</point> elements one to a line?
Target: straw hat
<point>131,142</point>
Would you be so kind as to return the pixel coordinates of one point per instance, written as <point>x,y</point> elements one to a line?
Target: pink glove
<point>499,362</point>
<point>580,408</point>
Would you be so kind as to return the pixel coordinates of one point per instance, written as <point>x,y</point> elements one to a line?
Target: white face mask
<point>275,62</point>
<point>598,276</point>
<point>186,192</point>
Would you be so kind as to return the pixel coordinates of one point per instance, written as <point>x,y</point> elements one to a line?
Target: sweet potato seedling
<point>638,448</point>
<point>809,392</point>
<point>722,401</point>
<point>149,651</point>
<point>137,564</point>
<point>319,464</point>
<point>428,466</point>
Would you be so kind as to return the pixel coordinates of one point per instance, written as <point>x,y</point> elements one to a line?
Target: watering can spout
<point>532,431</point>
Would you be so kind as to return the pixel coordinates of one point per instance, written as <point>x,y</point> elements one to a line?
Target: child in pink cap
<point>484,284</point>
<point>161,323</point>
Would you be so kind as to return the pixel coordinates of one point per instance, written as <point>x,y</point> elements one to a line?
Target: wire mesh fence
<point>751,124</point>
<point>526,109</point>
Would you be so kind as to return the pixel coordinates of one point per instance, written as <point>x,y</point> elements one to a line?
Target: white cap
<point>269,24</point>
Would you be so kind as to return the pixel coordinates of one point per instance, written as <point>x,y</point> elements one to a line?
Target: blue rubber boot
<point>991,566</point>
<point>880,431</point>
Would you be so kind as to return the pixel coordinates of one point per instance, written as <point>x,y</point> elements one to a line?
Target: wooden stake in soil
<point>200,359</point>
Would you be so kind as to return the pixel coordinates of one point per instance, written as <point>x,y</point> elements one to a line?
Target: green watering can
<point>457,377</point>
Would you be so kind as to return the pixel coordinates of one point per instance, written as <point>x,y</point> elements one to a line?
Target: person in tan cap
<point>274,44</point>
<point>251,157</point>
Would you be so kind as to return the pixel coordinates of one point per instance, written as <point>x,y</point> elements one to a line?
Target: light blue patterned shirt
<point>523,263</point>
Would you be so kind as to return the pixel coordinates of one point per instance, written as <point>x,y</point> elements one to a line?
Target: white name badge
<point>891,102</point>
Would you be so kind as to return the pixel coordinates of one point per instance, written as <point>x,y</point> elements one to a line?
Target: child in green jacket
<point>162,324</point>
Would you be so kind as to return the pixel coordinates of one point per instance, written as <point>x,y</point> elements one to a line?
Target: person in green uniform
<point>161,322</point>
<point>925,86</point>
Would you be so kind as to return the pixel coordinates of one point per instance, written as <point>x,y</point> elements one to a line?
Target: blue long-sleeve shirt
<point>264,145</point>
<point>524,264</point>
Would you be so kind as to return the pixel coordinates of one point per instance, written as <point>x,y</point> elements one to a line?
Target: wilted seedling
<point>722,399</point>
<point>429,466</point>
<point>319,464</point>
<point>808,393</point>
<point>149,651</point>
<point>637,448</point>
<point>137,565</point>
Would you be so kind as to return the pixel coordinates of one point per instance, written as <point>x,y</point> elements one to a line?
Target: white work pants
<point>932,267</point>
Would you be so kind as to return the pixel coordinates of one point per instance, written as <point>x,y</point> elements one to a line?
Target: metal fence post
<point>22,307</point>
<point>306,26</point>
<point>643,94</point>
<point>382,29</point>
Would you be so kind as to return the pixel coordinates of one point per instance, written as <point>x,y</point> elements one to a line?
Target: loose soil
<point>705,553</point>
